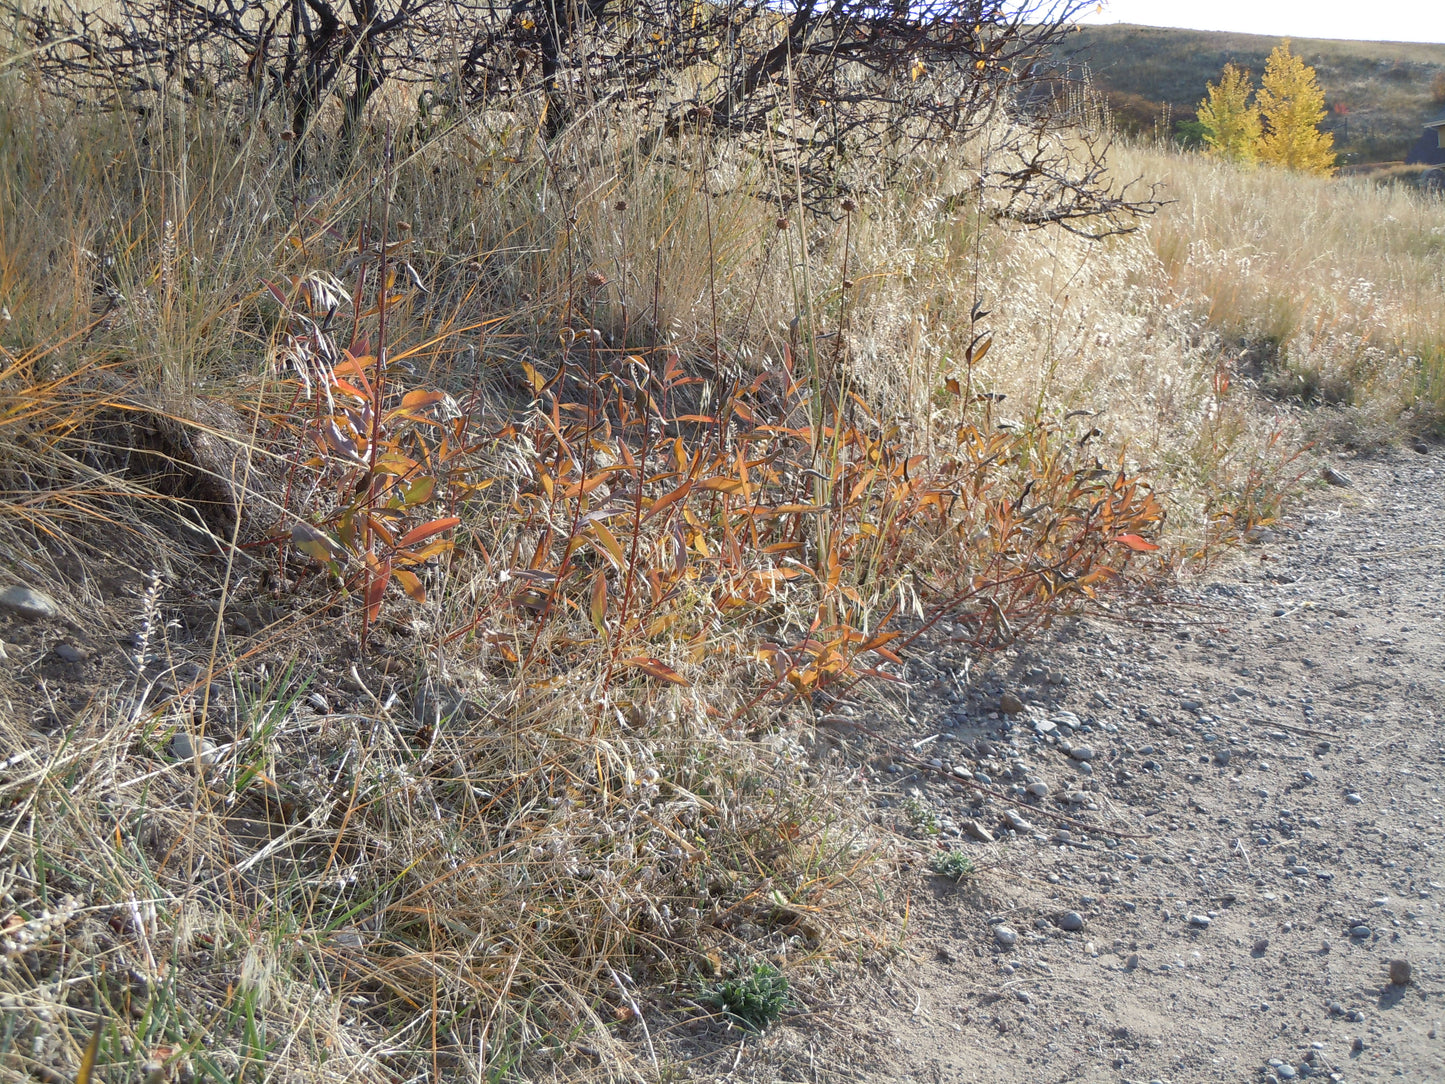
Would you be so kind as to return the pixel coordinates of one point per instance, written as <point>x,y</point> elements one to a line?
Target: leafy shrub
<point>755,996</point>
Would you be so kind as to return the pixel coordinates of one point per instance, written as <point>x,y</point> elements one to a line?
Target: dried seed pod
<point>782,222</point>
<point>596,279</point>
<point>848,205</point>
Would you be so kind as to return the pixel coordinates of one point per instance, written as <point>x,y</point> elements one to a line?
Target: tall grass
<point>1329,291</point>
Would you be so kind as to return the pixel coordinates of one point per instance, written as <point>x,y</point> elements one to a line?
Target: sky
<point>1379,20</point>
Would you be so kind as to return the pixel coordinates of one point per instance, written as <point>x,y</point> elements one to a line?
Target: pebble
<point>1260,946</point>
<point>1336,1009</point>
<point>1010,704</point>
<point>183,746</point>
<point>1285,1072</point>
<point>1082,752</point>
<point>1336,478</point>
<point>1071,921</point>
<point>1201,921</point>
<point>28,603</point>
<point>1353,798</point>
<point>68,653</point>
<point>1038,790</point>
<point>1360,932</point>
<point>1005,936</point>
<point>1131,961</point>
<point>1221,757</point>
<point>1400,972</point>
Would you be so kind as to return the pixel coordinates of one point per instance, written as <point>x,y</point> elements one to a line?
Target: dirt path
<point>1273,748</point>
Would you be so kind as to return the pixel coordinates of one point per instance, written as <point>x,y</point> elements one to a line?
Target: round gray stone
<point>1082,752</point>
<point>1005,936</point>
<point>1071,921</point>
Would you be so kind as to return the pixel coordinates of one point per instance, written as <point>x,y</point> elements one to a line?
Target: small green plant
<point>755,996</point>
<point>954,865</point>
<point>921,815</point>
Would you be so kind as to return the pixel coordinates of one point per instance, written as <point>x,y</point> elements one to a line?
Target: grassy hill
<point>1381,91</point>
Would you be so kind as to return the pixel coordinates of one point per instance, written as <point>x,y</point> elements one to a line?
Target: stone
<point>1421,445</point>
<point>1131,961</point>
<point>68,653</point>
<point>1336,478</point>
<point>1221,757</point>
<point>1260,946</point>
<point>1005,936</point>
<point>28,604</point>
<point>1017,822</point>
<point>972,828</point>
<point>1361,932</point>
<point>1010,704</point>
<point>1038,790</point>
<point>1400,972</point>
<point>186,748</point>
<point>1071,921</point>
<point>1082,752</point>
<point>1199,921</point>
<point>1286,1072</point>
<point>1353,798</point>
<point>436,703</point>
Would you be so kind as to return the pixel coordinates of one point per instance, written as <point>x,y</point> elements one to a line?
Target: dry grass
<point>1331,292</point>
<point>495,846</point>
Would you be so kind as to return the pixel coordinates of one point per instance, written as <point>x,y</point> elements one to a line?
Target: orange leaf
<point>416,400</point>
<point>410,584</point>
<point>658,669</point>
<point>375,589</point>
<point>663,502</point>
<point>1135,543</point>
<point>426,530</point>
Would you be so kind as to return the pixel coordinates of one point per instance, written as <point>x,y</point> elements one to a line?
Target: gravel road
<point>1266,755</point>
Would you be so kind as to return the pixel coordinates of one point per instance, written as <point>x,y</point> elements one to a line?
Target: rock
<point>1335,478</point>
<point>1199,921</point>
<point>68,653</point>
<point>1016,822</point>
<point>1084,767</point>
<point>1131,961</point>
<point>1005,936</point>
<point>1336,1009</point>
<point>28,604</point>
<point>1010,704</point>
<point>972,828</point>
<point>1421,445</point>
<point>1361,932</point>
<point>1071,921</point>
<point>1221,757</point>
<point>1038,790</point>
<point>1357,1044</point>
<point>436,702</point>
<point>1400,972</point>
<point>1353,798</point>
<point>1260,946</point>
<point>186,748</point>
<point>1285,1071</point>
<point>1082,752</point>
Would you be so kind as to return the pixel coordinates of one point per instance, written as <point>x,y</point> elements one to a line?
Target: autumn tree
<point>1230,122</point>
<point>1292,105</point>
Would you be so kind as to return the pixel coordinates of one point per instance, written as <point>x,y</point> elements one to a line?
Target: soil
<point>1255,837</point>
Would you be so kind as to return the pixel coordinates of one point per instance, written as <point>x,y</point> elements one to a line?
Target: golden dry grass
<point>350,884</point>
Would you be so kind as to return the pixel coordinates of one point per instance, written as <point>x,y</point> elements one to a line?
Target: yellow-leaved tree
<point>1229,121</point>
<point>1292,105</point>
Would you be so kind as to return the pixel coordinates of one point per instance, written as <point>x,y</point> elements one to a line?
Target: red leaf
<point>1135,543</point>
<point>426,530</point>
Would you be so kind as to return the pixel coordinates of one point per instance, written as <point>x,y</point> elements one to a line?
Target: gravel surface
<point>1216,825</point>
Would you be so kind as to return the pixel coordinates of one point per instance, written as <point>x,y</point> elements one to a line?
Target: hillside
<point>1381,91</point>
